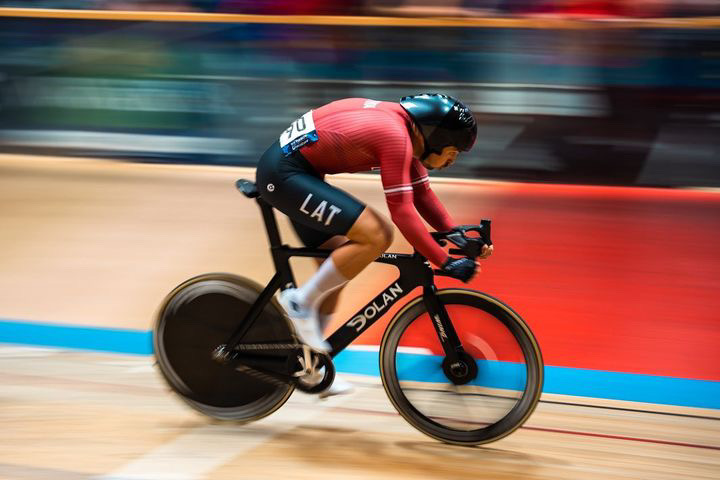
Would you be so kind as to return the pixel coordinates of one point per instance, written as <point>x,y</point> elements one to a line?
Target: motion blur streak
<point>561,93</point>
<point>597,158</point>
<point>609,278</point>
<point>479,22</point>
<point>620,279</point>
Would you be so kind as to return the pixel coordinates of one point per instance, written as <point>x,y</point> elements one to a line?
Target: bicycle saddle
<point>248,188</point>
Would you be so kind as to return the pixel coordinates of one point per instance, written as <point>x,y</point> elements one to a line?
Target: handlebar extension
<point>470,247</point>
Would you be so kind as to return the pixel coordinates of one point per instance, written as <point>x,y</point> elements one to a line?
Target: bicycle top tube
<point>387,257</point>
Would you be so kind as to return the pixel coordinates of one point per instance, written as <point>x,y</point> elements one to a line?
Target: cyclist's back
<point>354,135</point>
<point>358,134</point>
<point>348,136</point>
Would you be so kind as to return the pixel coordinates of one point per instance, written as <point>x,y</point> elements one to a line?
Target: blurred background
<point>579,103</point>
<point>592,99</point>
<point>614,93</point>
<point>124,124</point>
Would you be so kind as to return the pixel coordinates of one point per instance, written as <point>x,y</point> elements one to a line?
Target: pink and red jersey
<point>358,134</point>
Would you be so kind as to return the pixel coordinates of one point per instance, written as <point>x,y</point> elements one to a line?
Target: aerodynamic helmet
<point>442,120</point>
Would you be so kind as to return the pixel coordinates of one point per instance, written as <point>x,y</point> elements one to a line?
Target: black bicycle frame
<point>415,271</point>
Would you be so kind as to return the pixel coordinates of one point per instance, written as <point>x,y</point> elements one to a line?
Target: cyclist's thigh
<point>293,187</point>
<point>311,237</point>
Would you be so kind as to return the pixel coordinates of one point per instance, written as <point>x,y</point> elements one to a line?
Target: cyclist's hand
<point>486,251</point>
<point>460,268</point>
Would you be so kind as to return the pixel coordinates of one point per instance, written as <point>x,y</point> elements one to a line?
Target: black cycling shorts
<point>317,210</point>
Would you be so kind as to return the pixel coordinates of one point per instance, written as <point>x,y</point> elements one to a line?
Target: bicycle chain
<point>264,346</point>
<point>260,375</point>
<point>268,346</point>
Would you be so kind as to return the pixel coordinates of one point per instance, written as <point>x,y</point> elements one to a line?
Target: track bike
<point>457,364</point>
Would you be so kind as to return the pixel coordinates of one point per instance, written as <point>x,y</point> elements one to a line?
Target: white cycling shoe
<point>305,321</point>
<point>338,387</point>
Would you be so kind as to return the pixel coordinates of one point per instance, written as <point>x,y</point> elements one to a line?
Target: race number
<point>300,133</point>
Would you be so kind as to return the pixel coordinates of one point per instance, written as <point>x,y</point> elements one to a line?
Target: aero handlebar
<point>470,247</point>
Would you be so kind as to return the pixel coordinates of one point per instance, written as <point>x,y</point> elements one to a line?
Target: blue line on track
<point>562,380</point>
<point>578,382</point>
<point>114,340</point>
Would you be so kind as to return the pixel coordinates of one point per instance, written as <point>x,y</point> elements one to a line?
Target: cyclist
<point>403,140</point>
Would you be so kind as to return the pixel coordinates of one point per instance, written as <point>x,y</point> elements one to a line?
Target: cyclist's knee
<point>372,229</point>
<point>385,235</point>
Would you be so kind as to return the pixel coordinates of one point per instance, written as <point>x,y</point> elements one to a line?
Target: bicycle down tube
<point>414,272</point>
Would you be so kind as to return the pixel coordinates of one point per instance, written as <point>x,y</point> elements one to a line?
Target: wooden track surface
<point>99,243</point>
<point>116,237</point>
<point>75,416</point>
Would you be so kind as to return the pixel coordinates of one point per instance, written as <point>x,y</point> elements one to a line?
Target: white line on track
<point>195,454</point>
<point>12,351</point>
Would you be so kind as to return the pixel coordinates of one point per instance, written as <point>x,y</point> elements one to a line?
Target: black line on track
<point>575,404</point>
<point>559,430</point>
<point>635,410</point>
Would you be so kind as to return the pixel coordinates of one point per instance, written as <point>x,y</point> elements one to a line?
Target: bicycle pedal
<point>308,362</point>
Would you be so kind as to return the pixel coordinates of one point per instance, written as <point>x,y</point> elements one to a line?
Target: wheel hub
<point>461,371</point>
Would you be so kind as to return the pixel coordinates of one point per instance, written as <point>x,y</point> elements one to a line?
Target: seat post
<point>284,274</point>
<point>271,225</point>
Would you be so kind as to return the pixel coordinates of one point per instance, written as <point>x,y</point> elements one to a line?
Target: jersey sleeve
<point>395,158</point>
<point>425,200</point>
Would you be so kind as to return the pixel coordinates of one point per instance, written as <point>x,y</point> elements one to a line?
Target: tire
<point>194,319</point>
<point>508,374</point>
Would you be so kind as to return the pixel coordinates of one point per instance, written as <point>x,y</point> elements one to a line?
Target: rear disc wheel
<point>197,317</point>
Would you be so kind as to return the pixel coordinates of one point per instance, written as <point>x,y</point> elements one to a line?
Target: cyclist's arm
<point>406,218</point>
<point>395,173</point>
<point>426,202</point>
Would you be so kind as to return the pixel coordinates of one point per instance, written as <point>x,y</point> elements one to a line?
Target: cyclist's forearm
<point>408,221</point>
<point>432,210</point>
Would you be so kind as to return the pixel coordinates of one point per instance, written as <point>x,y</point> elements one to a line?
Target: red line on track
<point>622,437</point>
<point>567,432</point>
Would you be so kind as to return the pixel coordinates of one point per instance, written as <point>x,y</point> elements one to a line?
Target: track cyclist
<point>403,140</point>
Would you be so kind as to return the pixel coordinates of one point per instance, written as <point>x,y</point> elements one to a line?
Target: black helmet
<point>442,120</point>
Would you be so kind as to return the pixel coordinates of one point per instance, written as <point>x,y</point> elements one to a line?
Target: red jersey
<point>358,134</point>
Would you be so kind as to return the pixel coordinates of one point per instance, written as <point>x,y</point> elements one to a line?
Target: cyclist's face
<point>444,159</point>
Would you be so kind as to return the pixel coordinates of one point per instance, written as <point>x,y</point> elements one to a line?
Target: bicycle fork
<point>459,366</point>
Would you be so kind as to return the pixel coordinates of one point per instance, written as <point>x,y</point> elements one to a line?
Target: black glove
<point>460,268</point>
